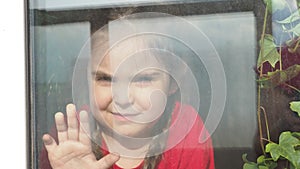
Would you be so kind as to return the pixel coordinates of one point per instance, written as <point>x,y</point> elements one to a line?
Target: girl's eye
<point>142,80</point>
<point>103,80</point>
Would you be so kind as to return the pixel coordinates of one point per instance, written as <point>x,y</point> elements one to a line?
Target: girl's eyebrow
<point>101,73</point>
<point>149,74</point>
<point>145,73</point>
<point>153,74</point>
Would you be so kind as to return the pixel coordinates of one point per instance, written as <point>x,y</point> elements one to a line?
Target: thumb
<point>108,160</point>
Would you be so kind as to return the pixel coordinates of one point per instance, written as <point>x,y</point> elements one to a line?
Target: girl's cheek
<point>102,98</point>
<point>142,99</point>
<point>152,97</point>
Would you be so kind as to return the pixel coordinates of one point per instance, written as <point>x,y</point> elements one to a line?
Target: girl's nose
<point>121,96</point>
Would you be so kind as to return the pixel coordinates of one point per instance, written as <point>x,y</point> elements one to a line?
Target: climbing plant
<point>288,147</point>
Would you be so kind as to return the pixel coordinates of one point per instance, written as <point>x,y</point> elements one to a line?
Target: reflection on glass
<point>285,17</point>
<point>233,35</point>
<point>56,48</point>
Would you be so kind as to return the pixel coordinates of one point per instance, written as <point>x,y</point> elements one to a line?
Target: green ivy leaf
<point>274,150</point>
<point>260,159</point>
<point>292,167</point>
<point>262,167</point>
<point>285,149</point>
<point>250,166</point>
<point>262,163</point>
<point>296,160</point>
<point>244,157</point>
<point>296,134</point>
<point>270,53</point>
<point>272,165</point>
<point>295,106</point>
<point>297,157</point>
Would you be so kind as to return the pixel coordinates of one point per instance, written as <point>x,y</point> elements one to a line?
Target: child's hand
<point>74,148</point>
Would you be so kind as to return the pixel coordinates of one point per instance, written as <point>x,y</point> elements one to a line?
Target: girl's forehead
<point>132,54</point>
<point>129,62</point>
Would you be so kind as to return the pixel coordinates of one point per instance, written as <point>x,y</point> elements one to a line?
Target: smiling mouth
<point>124,116</point>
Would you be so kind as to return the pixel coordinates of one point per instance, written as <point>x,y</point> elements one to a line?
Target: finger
<point>49,142</point>
<point>61,127</point>
<point>84,134</point>
<point>108,160</point>
<point>72,122</point>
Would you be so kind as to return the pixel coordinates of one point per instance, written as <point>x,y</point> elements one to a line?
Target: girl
<point>139,122</point>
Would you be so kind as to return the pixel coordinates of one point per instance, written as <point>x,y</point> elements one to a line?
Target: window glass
<point>190,84</point>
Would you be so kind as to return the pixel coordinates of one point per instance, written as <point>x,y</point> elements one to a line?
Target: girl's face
<point>129,90</point>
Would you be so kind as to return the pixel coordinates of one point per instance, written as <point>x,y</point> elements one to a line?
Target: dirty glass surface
<point>220,36</point>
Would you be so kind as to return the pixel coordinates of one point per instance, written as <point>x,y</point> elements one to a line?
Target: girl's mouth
<point>123,117</point>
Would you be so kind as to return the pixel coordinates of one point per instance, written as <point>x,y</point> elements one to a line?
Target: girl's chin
<point>130,131</point>
<point>125,128</point>
<point>123,131</point>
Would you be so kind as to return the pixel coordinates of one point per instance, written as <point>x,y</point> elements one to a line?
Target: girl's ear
<point>173,87</point>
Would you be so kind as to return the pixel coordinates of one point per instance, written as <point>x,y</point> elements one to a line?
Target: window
<point>60,31</point>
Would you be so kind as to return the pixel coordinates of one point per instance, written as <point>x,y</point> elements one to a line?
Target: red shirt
<point>188,153</point>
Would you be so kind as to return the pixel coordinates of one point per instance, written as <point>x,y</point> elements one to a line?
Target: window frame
<point>38,17</point>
